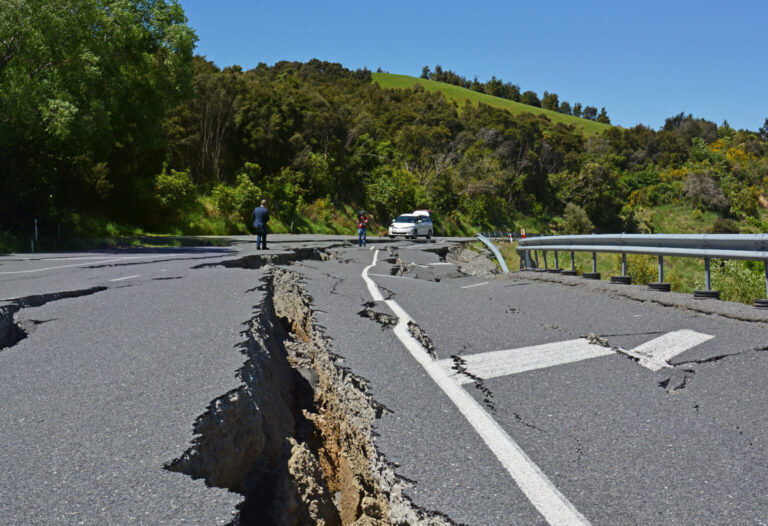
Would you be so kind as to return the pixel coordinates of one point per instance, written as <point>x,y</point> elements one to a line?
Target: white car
<point>412,225</point>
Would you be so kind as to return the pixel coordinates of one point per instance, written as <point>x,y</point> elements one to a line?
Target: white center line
<point>475,285</point>
<point>544,496</point>
<point>126,277</point>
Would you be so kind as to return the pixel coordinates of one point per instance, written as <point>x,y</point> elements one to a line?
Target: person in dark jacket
<point>260,220</point>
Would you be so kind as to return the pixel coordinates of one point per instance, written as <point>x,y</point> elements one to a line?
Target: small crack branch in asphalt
<point>12,331</point>
<point>677,380</point>
<point>418,333</point>
<point>255,261</point>
<point>382,318</point>
<point>460,366</point>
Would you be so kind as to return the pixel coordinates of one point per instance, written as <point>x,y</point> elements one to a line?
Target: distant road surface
<point>509,399</point>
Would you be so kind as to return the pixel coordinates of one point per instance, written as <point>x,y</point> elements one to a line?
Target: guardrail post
<point>707,275</point>
<point>573,262</point>
<point>763,303</point>
<point>536,257</point>
<point>707,293</point>
<point>660,286</point>
<point>527,259</point>
<point>594,261</point>
<point>557,263</point>
<point>661,269</point>
<point>623,264</point>
<point>544,252</point>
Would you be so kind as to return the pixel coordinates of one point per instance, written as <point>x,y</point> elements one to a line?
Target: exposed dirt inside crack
<point>386,320</point>
<point>296,437</point>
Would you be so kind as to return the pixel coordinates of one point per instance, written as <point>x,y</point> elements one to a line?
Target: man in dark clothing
<point>260,219</point>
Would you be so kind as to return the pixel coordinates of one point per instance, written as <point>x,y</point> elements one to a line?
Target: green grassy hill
<point>459,94</point>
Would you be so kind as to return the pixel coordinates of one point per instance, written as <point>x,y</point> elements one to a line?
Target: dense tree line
<point>84,88</point>
<point>507,90</point>
<point>106,114</point>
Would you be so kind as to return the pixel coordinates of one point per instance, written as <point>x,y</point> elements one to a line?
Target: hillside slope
<point>459,94</point>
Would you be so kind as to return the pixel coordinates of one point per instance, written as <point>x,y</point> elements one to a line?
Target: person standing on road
<point>260,220</point>
<point>362,226</point>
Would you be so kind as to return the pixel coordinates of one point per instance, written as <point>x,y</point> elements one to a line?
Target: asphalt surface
<point>106,387</point>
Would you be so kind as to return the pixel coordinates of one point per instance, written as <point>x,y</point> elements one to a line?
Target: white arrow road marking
<point>545,497</point>
<point>512,361</point>
<point>653,355</point>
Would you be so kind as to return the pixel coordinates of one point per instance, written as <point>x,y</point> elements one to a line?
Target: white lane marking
<point>475,285</point>
<point>126,277</point>
<point>372,288</point>
<point>655,354</point>
<point>442,263</point>
<point>544,496</point>
<point>71,259</point>
<point>125,258</point>
<point>388,276</point>
<point>512,361</point>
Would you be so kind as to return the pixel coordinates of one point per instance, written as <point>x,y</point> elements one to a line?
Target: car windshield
<point>406,219</point>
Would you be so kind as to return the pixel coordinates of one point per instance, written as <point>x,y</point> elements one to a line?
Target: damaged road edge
<point>296,437</point>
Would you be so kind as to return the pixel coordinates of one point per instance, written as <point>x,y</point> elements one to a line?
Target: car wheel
<point>391,237</point>
<point>429,234</point>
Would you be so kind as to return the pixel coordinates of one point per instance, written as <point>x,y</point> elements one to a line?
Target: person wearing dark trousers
<point>362,226</point>
<point>260,220</point>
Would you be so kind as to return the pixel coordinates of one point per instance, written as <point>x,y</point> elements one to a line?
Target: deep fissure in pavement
<point>296,437</point>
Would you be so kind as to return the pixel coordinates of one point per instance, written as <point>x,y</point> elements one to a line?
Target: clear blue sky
<point>644,62</point>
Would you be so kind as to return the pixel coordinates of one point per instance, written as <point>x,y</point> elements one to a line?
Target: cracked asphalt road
<point>105,388</point>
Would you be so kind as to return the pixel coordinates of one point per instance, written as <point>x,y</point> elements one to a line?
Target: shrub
<point>173,192</point>
<point>576,220</point>
<point>746,202</point>
<point>226,200</point>
<point>736,281</point>
<point>703,191</point>
<point>725,226</point>
<point>641,267</point>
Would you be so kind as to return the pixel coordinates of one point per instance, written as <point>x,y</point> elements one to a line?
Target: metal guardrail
<point>506,235</point>
<point>495,251</point>
<point>707,246</point>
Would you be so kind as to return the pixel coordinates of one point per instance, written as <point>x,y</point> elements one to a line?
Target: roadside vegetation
<point>175,145</point>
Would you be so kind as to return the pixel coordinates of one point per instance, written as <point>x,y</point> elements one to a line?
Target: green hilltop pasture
<point>459,95</point>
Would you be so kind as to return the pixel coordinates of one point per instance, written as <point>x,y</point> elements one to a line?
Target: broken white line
<point>126,277</point>
<point>475,285</point>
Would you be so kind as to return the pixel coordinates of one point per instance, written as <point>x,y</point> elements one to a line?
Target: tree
<point>577,109</point>
<point>763,130</point>
<point>425,71</point>
<point>590,112</point>
<point>530,98</point>
<point>550,101</point>
<point>84,87</point>
<point>603,117</point>
<point>565,107</point>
